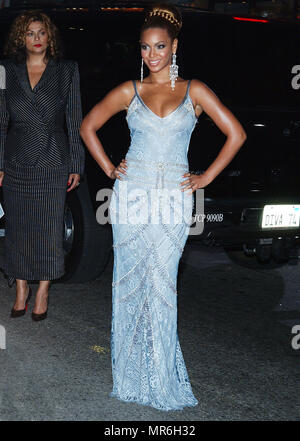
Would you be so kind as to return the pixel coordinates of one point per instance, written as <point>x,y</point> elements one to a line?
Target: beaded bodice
<point>159,145</point>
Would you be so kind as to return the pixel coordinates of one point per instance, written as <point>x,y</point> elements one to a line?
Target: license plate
<point>281,216</point>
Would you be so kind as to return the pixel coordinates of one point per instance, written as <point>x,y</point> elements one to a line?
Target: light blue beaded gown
<point>147,362</point>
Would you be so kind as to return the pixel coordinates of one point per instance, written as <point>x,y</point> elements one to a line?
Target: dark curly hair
<point>163,16</point>
<point>15,48</point>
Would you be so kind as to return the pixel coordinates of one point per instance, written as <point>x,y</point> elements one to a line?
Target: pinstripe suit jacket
<point>32,121</point>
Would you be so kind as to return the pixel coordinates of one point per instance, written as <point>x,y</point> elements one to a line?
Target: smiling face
<point>36,38</point>
<point>157,48</point>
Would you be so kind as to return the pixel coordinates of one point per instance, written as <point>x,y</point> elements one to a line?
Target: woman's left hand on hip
<point>73,181</point>
<point>192,182</point>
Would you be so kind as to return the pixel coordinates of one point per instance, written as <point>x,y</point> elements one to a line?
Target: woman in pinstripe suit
<point>38,162</point>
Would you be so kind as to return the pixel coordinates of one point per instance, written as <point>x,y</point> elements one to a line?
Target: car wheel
<point>260,261</point>
<point>87,244</point>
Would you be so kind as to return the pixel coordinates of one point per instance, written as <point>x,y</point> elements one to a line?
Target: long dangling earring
<point>173,72</point>
<point>142,70</point>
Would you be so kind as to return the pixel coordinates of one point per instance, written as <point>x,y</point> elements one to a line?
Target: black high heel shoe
<point>38,317</point>
<point>20,312</point>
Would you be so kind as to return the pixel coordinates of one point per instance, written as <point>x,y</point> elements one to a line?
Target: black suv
<point>252,66</point>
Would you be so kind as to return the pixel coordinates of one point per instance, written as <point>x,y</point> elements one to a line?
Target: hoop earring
<point>173,72</point>
<point>142,70</point>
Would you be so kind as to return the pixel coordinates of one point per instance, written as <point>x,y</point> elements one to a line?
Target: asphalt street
<point>234,326</point>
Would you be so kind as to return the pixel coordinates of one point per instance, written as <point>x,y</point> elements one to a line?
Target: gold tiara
<point>165,14</point>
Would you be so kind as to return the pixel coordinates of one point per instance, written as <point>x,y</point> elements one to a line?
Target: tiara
<point>165,14</point>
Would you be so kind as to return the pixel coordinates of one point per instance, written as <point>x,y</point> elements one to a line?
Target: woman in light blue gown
<point>151,212</point>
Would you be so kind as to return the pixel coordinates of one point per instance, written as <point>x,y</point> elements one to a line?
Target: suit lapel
<point>22,76</point>
<point>50,70</point>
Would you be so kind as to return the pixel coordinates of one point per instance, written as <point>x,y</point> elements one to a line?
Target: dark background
<point>247,64</point>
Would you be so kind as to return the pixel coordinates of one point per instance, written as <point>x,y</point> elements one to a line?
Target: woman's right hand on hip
<point>115,174</point>
<point>1,177</point>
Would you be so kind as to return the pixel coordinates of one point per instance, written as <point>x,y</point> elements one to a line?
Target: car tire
<point>87,244</point>
<point>264,253</point>
<point>254,262</point>
<point>281,250</point>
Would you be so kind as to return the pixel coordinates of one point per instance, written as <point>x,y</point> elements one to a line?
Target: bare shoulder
<point>124,92</point>
<point>118,98</point>
<point>126,87</point>
<point>199,90</point>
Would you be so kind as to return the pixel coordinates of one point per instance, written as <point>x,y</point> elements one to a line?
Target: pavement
<point>234,326</point>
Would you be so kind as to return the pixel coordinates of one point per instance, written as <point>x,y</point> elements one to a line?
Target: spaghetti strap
<point>135,88</point>
<point>188,87</point>
<point>187,91</point>
<point>135,94</point>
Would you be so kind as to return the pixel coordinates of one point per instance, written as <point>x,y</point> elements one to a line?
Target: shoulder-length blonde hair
<point>15,48</point>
